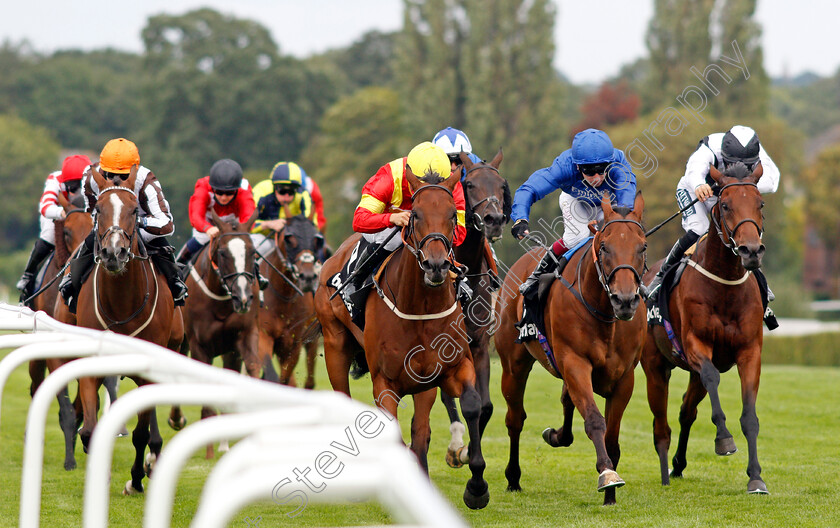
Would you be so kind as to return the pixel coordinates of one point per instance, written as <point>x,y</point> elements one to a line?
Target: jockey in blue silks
<point>453,142</point>
<point>584,173</point>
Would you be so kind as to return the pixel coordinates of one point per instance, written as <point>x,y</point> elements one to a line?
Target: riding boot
<point>261,281</point>
<point>674,256</point>
<point>80,267</point>
<point>549,263</point>
<point>368,260</point>
<point>40,252</point>
<point>165,262</point>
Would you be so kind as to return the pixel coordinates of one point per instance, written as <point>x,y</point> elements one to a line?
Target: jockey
<point>739,144</point>
<point>283,187</point>
<point>584,173</point>
<point>310,186</point>
<point>67,181</point>
<point>453,142</point>
<point>223,191</point>
<point>154,220</point>
<point>386,206</point>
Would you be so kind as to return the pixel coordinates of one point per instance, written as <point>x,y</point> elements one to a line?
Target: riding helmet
<point>225,175</point>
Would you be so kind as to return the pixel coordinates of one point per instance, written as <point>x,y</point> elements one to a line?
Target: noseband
<point>606,279</point>
<point>409,235</point>
<point>723,230</point>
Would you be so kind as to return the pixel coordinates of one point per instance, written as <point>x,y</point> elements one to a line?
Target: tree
<point>612,104</point>
<point>367,62</point>
<point>29,154</point>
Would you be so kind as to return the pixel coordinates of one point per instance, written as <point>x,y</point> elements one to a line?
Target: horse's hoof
<point>70,466</point>
<point>558,440</point>
<point>130,490</point>
<point>476,502</point>
<point>609,479</point>
<point>151,459</point>
<point>725,446</point>
<point>758,487</point>
<point>514,488</point>
<point>177,426</point>
<point>457,458</point>
<point>675,474</point>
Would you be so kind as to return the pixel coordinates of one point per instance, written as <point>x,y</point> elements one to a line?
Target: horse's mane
<point>737,170</point>
<point>62,253</point>
<point>432,178</point>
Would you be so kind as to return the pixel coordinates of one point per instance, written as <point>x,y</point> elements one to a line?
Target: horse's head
<point>77,224</point>
<point>487,195</point>
<point>431,228</point>
<point>301,242</point>
<point>619,253</point>
<point>232,254</point>
<point>737,215</point>
<point>115,221</point>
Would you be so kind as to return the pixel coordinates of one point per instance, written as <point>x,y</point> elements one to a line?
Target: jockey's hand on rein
<point>519,229</point>
<point>400,219</point>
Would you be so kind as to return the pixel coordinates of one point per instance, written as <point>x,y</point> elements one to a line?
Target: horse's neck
<point>471,252</point>
<point>719,259</point>
<point>279,260</point>
<point>591,287</point>
<point>410,286</point>
<point>205,271</point>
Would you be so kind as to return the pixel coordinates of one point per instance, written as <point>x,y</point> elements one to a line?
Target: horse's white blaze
<point>237,250</point>
<point>117,204</point>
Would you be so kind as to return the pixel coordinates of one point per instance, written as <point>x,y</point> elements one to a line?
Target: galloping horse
<point>220,315</point>
<point>127,295</point>
<point>414,339</point>
<point>292,269</point>
<point>69,234</point>
<point>595,327</point>
<point>488,204</point>
<point>716,314</point>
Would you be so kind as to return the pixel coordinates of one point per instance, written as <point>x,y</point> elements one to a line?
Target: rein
<point>399,313</point>
<point>723,230</point>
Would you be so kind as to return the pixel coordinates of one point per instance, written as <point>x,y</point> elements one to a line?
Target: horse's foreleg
<point>481,358</point>
<point>89,394</point>
<point>338,355</point>
<point>140,439</point>
<point>248,348</point>
<point>658,374</point>
<point>67,421</point>
<point>749,369</point>
<point>476,494</point>
<point>516,366</point>
<point>111,384</point>
<point>615,407</point>
<point>456,451</point>
<point>694,394</point>
<point>421,432</point>
<point>562,437</point>
<point>710,377</point>
<point>311,356</point>
<point>155,442</point>
<point>265,348</point>
<point>288,361</point>
<point>37,373</point>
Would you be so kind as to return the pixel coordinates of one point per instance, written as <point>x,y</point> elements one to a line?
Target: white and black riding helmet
<point>740,143</point>
<point>225,175</point>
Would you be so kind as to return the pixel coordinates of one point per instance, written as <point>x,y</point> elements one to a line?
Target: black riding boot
<point>550,262</point>
<point>674,256</point>
<point>162,257</point>
<point>261,281</point>
<point>80,267</point>
<point>367,260</point>
<point>39,253</point>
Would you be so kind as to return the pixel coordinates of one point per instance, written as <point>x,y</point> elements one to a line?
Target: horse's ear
<point>63,202</point>
<point>638,206</point>
<point>507,201</point>
<point>414,182</point>
<point>606,205</point>
<point>132,177</point>
<point>715,174</point>
<point>497,159</point>
<point>757,172</point>
<point>216,219</point>
<point>287,212</point>
<point>465,161</point>
<point>593,226</point>
<point>311,215</point>
<point>250,222</point>
<point>97,176</point>
<point>451,182</point>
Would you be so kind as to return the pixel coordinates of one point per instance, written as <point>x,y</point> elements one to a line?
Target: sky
<point>593,38</point>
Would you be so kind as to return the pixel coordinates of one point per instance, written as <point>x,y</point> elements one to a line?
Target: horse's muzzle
<point>493,225</point>
<point>114,259</point>
<point>435,271</point>
<point>624,305</point>
<point>751,255</point>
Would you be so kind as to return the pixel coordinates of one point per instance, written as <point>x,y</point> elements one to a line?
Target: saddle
<point>355,300</point>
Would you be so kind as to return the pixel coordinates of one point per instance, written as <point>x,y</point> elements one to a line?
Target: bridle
<point>119,230</point>
<point>475,219</point>
<point>409,234</point>
<point>723,230</point>
<point>604,278</point>
<point>228,277</point>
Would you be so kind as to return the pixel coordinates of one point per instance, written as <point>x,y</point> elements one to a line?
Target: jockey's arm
<point>156,220</point>
<point>199,204</point>
<point>540,184</point>
<point>460,206</point>
<point>372,214</point>
<point>318,202</point>
<point>697,166</point>
<point>623,180</point>
<point>48,205</point>
<point>769,182</point>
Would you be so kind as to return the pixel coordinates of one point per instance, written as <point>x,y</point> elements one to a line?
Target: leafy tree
<point>29,154</point>
<point>612,104</point>
<point>366,62</point>
<point>822,191</point>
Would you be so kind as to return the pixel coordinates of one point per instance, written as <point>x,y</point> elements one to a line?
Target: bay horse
<point>127,295</point>
<point>717,316</point>
<point>414,339</point>
<point>221,312</point>
<point>488,205</point>
<point>292,269</point>
<point>595,328</point>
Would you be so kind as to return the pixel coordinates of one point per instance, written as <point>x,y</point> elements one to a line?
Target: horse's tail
<point>359,366</point>
<point>312,332</point>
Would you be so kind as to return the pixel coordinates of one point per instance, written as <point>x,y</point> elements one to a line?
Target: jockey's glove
<point>519,228</point>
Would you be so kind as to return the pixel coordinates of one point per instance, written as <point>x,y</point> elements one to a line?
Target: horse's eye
<point>762,205</point>
<point>468,184</point>
<point>724,206</point>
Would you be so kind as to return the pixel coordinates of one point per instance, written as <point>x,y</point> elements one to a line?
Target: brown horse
<point>716,314</point>
<point>127,295</point>
<point>414,339</point>
<point>488,204</point>
<point>595,328</point>
<point>220,315</point>
<point>292,269</point>
<point>69,234</point>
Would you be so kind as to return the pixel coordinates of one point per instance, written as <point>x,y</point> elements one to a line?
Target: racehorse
<point>716,314</point>
<point>127,295</point>
<point>220,315</point>
<point>292,269</point>
<point>488,204</point>
<point>69,234</point>
<point>414,339</point>
<point>595,327</point>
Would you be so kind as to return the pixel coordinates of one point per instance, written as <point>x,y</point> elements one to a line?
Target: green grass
<point>799,445</point>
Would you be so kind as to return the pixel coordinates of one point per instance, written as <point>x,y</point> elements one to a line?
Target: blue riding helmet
<point>592,146</point>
